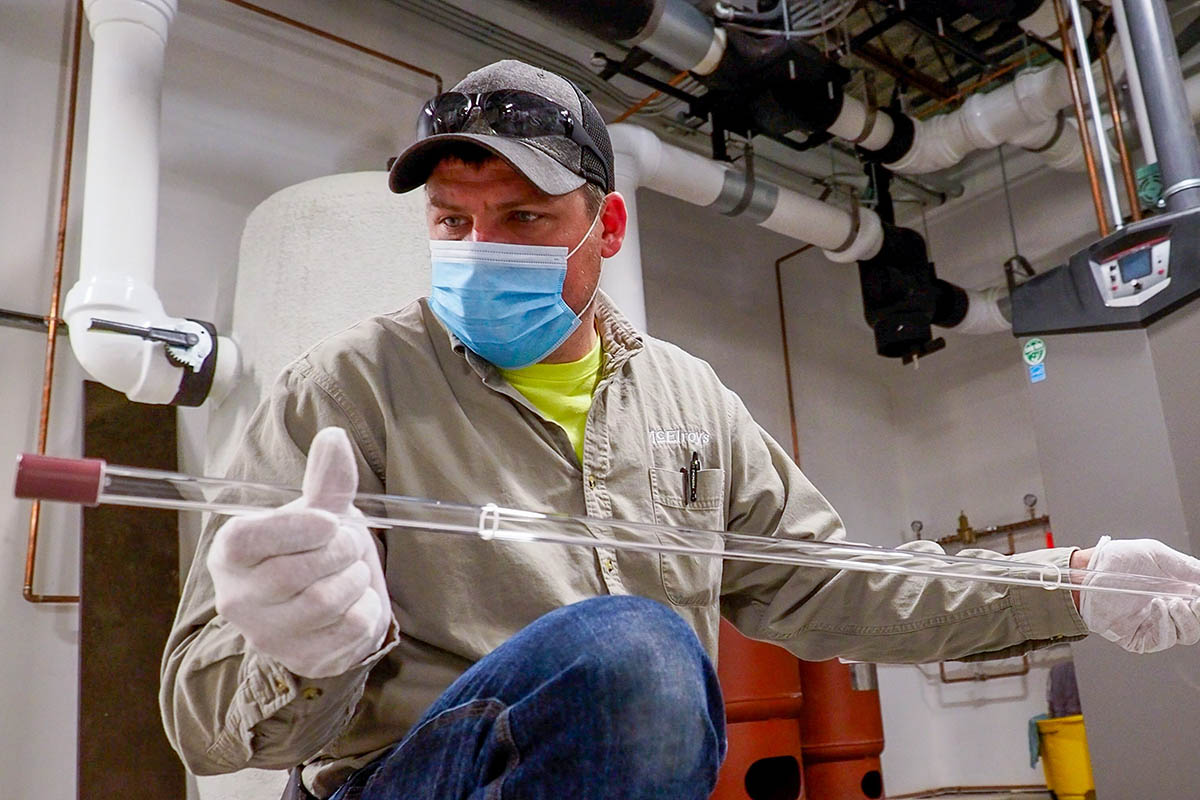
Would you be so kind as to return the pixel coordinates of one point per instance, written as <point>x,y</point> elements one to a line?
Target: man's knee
<point>646,662</point>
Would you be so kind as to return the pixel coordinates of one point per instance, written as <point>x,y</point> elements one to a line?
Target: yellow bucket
<point>1065,757</point>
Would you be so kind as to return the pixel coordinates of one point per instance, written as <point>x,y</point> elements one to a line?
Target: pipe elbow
<point>938,143</point>
<point>985,312</point>
<point>866,244</point>
<point>637,147</point>
<point>139,368</point>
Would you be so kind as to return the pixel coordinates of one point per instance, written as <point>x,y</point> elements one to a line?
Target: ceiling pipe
<point>120,213</point>
<point>673,30</point>
<point>644,160</point>
<point>1023,113</point>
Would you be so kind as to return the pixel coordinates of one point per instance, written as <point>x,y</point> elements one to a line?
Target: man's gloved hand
<point>1137,623</point>
<point>302,585</point>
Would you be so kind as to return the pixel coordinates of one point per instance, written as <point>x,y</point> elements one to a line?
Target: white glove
<point>1137,623</point>
<point>303,586</point>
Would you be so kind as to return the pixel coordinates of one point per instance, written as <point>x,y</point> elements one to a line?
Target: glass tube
<point>131,486</point>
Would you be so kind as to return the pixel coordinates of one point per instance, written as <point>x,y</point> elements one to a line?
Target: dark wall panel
<point>129,586</point>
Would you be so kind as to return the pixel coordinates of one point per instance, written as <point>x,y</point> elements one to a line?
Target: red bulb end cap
<point>67,480</point>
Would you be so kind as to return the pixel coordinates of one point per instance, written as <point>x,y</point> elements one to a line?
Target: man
<point>414,664</point>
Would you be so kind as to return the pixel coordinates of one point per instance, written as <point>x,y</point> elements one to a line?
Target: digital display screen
<point>1135,265</point>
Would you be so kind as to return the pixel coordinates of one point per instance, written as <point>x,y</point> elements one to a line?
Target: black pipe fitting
<point>903,297</point>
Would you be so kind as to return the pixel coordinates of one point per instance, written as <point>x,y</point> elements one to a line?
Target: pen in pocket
<point>693,477</point>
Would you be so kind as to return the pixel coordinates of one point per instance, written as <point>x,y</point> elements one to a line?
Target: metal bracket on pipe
<point>1181,186</point>
<point>855,225</point>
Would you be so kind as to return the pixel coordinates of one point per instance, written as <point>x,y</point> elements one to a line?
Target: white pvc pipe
<point>682,174</point>
<point>983,312</point>
<point>642,159</point>
<point>120,207</point>
<point>1021,114</point>
<point>1003,116</point>
<point>851,120</point>
<point>621,279</point>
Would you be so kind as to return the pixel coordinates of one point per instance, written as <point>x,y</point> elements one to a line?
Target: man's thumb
<point>331,477</point>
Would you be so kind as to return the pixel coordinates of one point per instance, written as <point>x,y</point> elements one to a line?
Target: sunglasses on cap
<point>510,113</point>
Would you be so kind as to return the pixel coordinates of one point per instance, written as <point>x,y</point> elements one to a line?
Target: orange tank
<point>763,702</point>
<point>842,729</point>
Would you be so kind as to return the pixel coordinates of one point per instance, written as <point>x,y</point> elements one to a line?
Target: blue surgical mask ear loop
<point>571,252</point>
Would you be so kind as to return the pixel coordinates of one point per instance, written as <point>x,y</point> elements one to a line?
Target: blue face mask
<point>504,301</point>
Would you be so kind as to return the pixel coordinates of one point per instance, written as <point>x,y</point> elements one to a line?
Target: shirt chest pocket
<point>690,580</point>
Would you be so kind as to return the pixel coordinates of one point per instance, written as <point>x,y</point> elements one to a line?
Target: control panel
<point>1128,279</point>
<point>1134,275</point>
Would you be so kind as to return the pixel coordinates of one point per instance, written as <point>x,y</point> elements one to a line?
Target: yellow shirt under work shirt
<point>562,392</point>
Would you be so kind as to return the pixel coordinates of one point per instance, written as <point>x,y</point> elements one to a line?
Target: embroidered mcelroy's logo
<point>669,436</point>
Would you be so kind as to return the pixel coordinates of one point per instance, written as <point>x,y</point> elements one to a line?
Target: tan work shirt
<point>430,419</point>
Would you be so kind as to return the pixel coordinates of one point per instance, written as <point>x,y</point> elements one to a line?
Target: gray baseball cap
<point>555,164</point>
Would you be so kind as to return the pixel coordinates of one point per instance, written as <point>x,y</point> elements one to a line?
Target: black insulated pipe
<point>610,20</point>
<point>904,131</point>
<point>776,85</point>
<point>899,300</point>
<point>903,298</point>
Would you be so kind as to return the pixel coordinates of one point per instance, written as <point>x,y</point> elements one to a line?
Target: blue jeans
<point>611,697</point>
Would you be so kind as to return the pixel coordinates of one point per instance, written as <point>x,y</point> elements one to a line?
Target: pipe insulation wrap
<point>1044,24</point>
<point>670,170</point>
<point>679,33</point>
<point>653,164</point>
<point>1039,136</point>
<point>611,20</point>
<point>644,160</point>
<point>1003,116</point>
<point>984,312</point>
<point>673,30</point>
<point>851,122</point>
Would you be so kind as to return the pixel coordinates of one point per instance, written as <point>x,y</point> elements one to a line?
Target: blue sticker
<point>1037,372</point>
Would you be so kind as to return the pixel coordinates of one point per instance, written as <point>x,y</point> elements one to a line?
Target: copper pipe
<point>970,87</point>
<point>1114,108</point>
<point>52,317</point>
<point>640,104</point>
<point>787,361</point>
<point>339,40</point>
<point>899,69</point>
<point>1080,116</point>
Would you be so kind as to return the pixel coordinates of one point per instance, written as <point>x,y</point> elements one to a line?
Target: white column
<point>622,276</point>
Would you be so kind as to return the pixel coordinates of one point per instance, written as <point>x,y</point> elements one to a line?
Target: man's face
<point>491,202</point>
